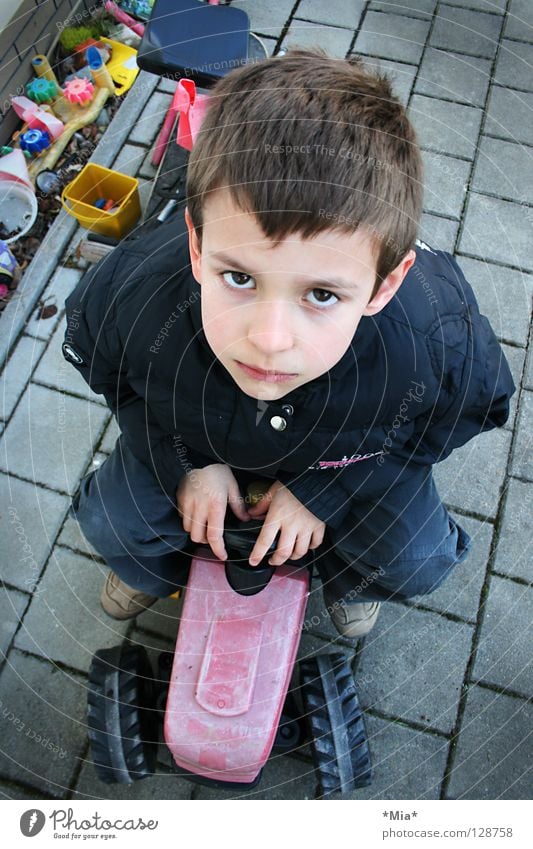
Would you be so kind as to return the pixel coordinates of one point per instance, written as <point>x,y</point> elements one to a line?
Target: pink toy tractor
<point>224,695</point>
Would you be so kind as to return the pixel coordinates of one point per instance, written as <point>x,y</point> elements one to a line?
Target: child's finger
<point>263,543</point>
<point>284,548</point>
<point>215,525</point>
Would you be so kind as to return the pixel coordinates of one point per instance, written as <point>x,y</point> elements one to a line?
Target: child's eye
<point>323,298</point>
<point>237,279</point>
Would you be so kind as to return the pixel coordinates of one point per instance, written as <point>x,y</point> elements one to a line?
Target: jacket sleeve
<point>92,344</point>
<point>477,386</point>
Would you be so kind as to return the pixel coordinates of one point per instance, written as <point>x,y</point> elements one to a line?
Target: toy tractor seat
<point>200,41</point>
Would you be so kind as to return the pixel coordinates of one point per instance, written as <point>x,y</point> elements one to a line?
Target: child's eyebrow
<point>331,282</point>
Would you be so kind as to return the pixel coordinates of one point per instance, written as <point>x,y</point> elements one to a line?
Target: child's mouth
<point>267,376</point>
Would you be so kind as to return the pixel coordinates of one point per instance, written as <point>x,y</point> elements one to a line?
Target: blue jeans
<point>403,545</point>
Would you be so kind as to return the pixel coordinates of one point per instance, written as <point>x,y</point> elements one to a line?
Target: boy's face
<point>279,317</point>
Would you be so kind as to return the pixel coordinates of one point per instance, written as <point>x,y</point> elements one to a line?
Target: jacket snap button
<point>278,422</point>
<point>288,409</point>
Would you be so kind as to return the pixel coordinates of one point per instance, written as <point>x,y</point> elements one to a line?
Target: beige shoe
<point>353,620</point>
<point>121,601</point>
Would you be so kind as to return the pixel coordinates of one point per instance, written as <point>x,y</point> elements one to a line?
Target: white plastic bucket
<point>18,208</point>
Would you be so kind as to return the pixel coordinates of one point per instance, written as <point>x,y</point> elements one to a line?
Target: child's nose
<point>271,327</point>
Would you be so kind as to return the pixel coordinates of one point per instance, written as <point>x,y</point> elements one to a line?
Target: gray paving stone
<point>55,371</point>
<point>311,645</point>
<point>460,593</point>
<point>61,285</point>
<point>503,655</point>
<point>71,536</point>
<point>268,20</point>
<point>339,13</point>
<point>334,40</point>
<point>402,75</point>
<point>496,6</point>
<point>145,190</point>
<point>15,791</point>
<point>513,68</point>
<point>406,764</point>
<point>147,170</point>
<point>522,464</point>
<point>29,521</point>
<point>392,37</point>
<point>159,786</point>
<point>409,8</point>
<point>48,706</point>
<point>515,357</point>
<point>162,619</point>
<point>528,377</point>
<point>507,240</point>
<point>519,22</point>
<point>493,757</point>
<point>17,373</point>
<point>470,479</point>
<point>510,114</point>
<point>412,666</point>
<point>505,169</point>
<point>12,607</point>
<point>150,120</point>
<point>513,552</point>
<point>65,622</point>
<point>111,435</point>
<point>269,43</point>
<point>454,77</point>
<point>466,31</point>
<point>51,437</point>
<point>439,232</point>
<point>445,184</point>
<point>129,159</point>
<point>504,296</point>
<point>283,777</point>
<point>445,127</point>
<point>167,85</point>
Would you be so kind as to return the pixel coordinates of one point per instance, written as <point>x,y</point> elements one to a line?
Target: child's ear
<point>390,285</point>
<point>194,248</point>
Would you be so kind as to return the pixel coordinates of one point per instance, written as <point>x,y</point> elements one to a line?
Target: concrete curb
<point>46,260</point>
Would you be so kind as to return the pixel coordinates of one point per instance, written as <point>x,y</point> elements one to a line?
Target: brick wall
<point>28,27</point>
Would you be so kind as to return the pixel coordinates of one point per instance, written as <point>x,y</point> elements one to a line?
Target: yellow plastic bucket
<point>95,182</point>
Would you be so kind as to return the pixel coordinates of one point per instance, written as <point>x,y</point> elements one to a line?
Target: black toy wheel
<point>122,715</point>
<point>338,736</point>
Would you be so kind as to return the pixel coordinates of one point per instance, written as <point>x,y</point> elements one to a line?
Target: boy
<point>287,326</point>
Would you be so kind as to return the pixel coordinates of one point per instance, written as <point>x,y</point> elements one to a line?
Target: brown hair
<point>308,143</point>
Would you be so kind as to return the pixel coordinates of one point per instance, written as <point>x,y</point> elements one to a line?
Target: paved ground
<point>446,682</point>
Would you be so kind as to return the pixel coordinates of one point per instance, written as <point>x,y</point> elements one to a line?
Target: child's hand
<point>298,528</point>
<point>202,499</point>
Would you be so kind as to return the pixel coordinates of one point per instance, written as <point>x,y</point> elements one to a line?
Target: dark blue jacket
<point>420,378</point>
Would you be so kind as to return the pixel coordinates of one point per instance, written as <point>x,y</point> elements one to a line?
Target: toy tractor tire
<point>122,718</point>
<point>338,737</point>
